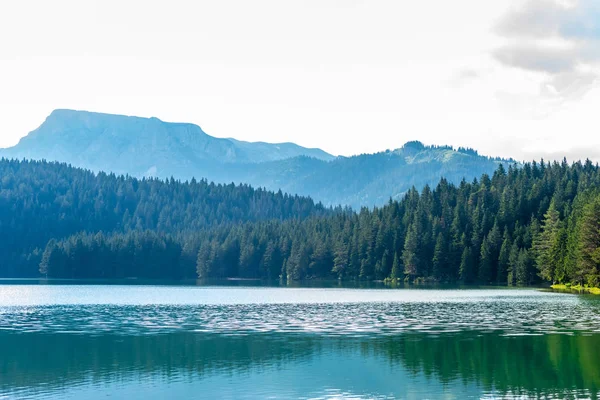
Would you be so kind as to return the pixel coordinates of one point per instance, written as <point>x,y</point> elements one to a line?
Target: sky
<point>514,78</point>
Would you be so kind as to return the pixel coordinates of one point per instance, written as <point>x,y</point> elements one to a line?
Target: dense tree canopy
<point>40,201</point>
<point>539,221</point>
<point>495,230</point>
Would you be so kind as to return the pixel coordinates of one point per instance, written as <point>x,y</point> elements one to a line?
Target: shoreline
<point>576,289</point>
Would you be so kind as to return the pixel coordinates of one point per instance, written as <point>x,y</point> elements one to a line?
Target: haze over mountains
<point>150,147</point>
<point>142,146</point>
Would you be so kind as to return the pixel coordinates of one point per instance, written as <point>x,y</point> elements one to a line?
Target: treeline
<point>40,201</point>
<point>537,222</point>
<point>417,145</point>
<point>135,254</point>
<point>528,223</point>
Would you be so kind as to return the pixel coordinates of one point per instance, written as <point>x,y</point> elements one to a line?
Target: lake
<point>73,341</point>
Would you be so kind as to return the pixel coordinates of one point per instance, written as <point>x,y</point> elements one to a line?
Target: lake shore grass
<point>577,288</point>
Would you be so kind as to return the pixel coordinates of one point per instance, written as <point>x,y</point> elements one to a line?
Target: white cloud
<point>557,38</point>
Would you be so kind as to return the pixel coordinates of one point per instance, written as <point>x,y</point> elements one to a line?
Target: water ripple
<point>513,314</point>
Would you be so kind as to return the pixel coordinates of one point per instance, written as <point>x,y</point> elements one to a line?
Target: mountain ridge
<point>150,147</point>
<point>66,132</point>
<point>369,179</point>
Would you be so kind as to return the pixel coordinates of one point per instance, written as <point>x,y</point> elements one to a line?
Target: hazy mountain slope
<point>263,152</point>
<point>369,179</point>
<point>141,146</point>
<point>151,147</point>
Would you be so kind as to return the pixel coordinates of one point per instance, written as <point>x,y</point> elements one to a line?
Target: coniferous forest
<point>42,203</point>
<point>525,224</point>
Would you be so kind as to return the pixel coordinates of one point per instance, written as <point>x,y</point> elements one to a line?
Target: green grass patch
<point>576,288</point>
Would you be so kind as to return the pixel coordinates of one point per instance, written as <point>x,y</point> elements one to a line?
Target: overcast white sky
<point>511,78</point>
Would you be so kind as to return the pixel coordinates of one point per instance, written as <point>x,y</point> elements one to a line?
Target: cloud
<point>467,74</point>
<point>546,18</point>
<point>534,57</point>
<point>463,76</point>
<point>558,39</point>
<point>570,84</point>
<point>572,155</point>
<point>536,19</point>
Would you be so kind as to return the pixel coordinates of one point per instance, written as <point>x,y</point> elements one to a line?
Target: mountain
<point>150,147</point>
<point>369,179</point>
<point>263,152</point>
<point>142,146</point>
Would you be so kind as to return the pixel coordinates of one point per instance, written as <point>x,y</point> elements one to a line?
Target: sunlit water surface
<point>172,342</point>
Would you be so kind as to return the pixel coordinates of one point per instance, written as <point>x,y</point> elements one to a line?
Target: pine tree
<point>410,253</point>
<point>396,268</point>
<point>559,253</point>
<point>466,266</point>
<point>382,267</point>
<point>523,267</point>
<point>270,261</point>
<point>504,259</point>
<point>513,259</point>
<point>47,260</point>
<point>589,243</point>
<point>440,258</point>
<point>544,244</point>
<point>203,266</point>
<point>486,263</point>
<point>341,260</point>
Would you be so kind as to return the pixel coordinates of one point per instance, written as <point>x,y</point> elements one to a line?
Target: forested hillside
<point>516,227</point>
<point>40,201</point>
<point>369,179</point>
<point>515,224</point>
<point>149,147</point>
<point>519,226</point>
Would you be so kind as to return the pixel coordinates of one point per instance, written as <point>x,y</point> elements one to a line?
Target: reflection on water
<point>154,343</point>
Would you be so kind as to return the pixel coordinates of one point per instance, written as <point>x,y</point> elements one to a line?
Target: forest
<point>43,202</point>
<point>526,224</point>
<point>522,226</point>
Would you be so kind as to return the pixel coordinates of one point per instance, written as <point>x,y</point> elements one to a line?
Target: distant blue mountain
<point>142,146</point>
<point>370,179</point>
<point>151,147</point>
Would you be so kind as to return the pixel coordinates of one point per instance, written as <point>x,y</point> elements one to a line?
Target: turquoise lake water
<point>179,342</point>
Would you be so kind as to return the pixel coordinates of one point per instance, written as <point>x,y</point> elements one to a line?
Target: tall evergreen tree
<point>544,244</point>
<point>410,254</point>
<point>589,243</point>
